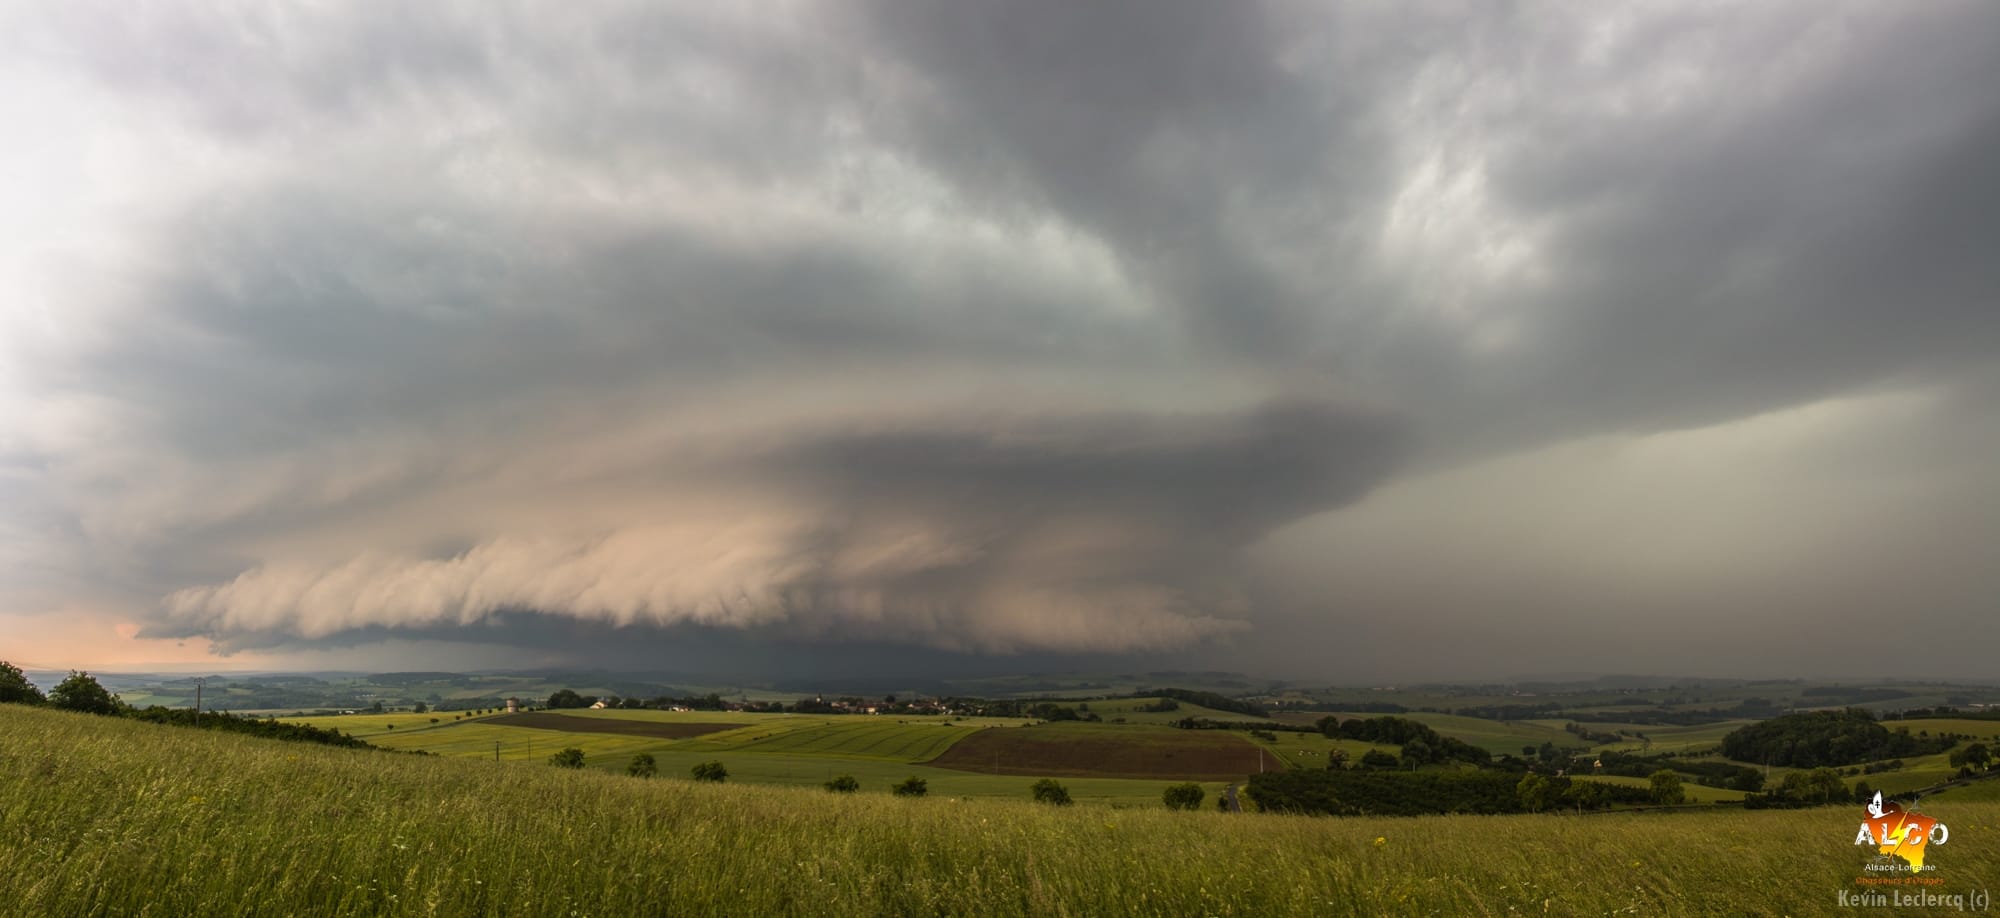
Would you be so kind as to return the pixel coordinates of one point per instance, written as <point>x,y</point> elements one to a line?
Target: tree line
<point>1357,792</point>
<point>1831,738</point>
<point>81,692</point>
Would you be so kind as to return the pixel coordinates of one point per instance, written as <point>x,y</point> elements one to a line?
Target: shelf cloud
<point>1279,333</point>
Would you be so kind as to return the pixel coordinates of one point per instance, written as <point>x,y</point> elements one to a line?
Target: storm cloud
<point>1284,332</point>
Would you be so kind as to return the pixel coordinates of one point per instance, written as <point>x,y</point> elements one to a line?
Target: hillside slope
<point>103,817</point>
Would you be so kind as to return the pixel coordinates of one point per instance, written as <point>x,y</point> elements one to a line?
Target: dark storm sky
<point>1350,341</point>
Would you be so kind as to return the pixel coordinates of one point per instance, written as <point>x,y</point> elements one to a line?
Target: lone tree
<point>80,692</point>
<point>15,687</point>
<point>845,784</point>
<point>643,766</point>
<point>710,771</point>
<point>912,786</point>
<point>1183,796</point>
<point>1975,756</point>
<point>1535,791</point>
<point>1666,787</point>
<point>1049,790</point>
<point>571,757</point>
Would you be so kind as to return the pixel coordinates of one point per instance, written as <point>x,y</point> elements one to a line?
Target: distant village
<point>817,704</point>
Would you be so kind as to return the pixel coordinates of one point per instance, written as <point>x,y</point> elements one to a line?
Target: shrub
<point>912,786</point>
<point>643,766</point>
<point>571,757</point>
<point>1666,787</point>
<point>1183,796</point>
<point>710,771</point>
<point>844,784</point>
<point>1049,790</point>
<point>15,687</point>
<point>80,692</point>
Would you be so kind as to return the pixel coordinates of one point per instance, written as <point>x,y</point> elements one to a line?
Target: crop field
<point>1310,750</point>
<point>666,717</point>
<point>371,726</point>
<point>1491,735</point>
<point>1122,751</point>
<point>542,720</point>
<point>1667,738</point>
<point>105,817</point>
<point>870,739</point>
<point>785,749</point>
<point>1128,709</point>
<point>1117,764</point>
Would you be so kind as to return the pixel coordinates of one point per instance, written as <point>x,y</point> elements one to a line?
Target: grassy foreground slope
<point>105,817</point>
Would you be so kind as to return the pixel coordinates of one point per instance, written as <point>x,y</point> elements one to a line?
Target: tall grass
<point>112,817</point>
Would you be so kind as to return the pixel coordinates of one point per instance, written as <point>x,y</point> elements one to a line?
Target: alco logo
<point>1900,835</point>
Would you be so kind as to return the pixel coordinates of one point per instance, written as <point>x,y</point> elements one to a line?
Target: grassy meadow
<point>113,817</point>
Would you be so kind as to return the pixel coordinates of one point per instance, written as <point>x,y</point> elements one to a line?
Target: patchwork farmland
<point>105,813</point>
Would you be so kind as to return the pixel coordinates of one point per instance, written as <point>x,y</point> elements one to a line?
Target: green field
<point>1695,793</point>
<point>104,816</point>
<point>1491,735</point>
<point>1128,711</point>
<point>1668,738</point>
<point>785,749</point>
<point>879,751</point>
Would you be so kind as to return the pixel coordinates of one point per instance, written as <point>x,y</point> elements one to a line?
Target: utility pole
<point>197,701</point>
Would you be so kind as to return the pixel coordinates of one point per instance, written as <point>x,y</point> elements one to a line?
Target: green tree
<point>643,766</point>
<point>571,757</point>
<point>844,784</point>
<point>710,771</point>
<point>1586,795</point>
<point>1049,790</point>
<point>1666,787</point>
<point>421,708</point>
<point>1818,786</point>
<point>566,698</point>
<point>1183,796</point>
<point>912,786</point>
<point>80,692</point>
<point>1975,756</point>
<point>15,687</point>
<point>1535,792</point>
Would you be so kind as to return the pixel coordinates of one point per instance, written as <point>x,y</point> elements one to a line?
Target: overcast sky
<point>1354,343</point>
